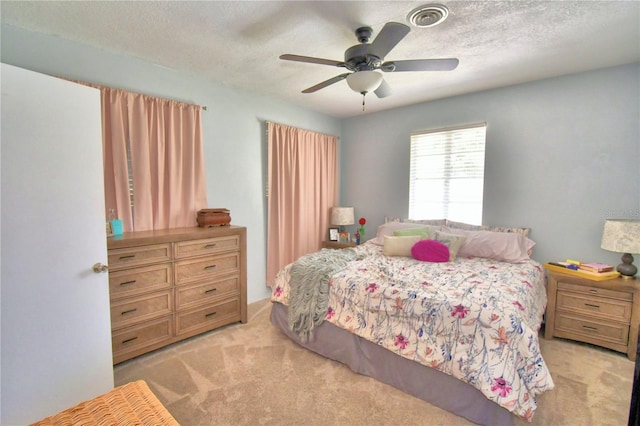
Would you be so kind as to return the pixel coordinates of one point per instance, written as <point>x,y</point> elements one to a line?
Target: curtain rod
<point>101,86</point>
<point>307,130</point>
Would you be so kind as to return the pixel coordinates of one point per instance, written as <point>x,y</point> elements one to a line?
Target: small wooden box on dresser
<point>168,285</point>
<point>603,313</point>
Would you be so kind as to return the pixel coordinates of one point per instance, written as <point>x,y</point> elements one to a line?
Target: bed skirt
<point>371,360</point>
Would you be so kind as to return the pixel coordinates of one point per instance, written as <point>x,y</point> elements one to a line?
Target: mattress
<point>369,359</point>
<point>474,319</point>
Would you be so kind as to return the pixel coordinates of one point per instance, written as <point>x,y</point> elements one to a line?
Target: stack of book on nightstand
<point>591,270</point>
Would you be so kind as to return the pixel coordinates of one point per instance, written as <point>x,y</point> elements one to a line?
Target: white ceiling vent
<point>428,15</point>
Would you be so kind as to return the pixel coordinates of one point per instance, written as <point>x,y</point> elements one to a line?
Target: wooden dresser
<point>168,285</point>
<point>603,313</point>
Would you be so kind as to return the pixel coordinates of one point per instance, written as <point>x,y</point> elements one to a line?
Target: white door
<point>55,340</point>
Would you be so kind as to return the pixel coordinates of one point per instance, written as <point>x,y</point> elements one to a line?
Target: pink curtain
<point>155,145</point>
<point>303,186</point>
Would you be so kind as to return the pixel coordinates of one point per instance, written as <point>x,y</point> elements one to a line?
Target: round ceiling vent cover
<point>428,15</point>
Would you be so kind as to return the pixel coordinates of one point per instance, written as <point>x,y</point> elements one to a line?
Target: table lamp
<point>623,236</point>
<point>341,216</point>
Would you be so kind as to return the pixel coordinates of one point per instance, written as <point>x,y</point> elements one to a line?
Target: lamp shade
<point>341,216</point>
<point>364,81</point>
<point>621,236</point>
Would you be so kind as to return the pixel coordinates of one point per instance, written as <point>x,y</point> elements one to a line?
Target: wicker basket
<point>130,404</point>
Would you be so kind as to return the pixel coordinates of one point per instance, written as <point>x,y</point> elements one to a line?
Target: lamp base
<point>627,269</point>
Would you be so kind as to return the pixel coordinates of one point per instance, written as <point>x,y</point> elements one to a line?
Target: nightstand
<point>603,313</point>
<point>337,245</point>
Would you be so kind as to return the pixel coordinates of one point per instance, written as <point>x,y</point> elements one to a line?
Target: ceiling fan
<point>364,60</point>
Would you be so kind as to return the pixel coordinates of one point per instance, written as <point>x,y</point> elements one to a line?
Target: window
<point>447,174</point>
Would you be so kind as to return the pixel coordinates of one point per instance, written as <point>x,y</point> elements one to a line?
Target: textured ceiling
<point>498,43</point>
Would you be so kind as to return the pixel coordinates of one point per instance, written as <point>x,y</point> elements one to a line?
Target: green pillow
<point>423,232</point>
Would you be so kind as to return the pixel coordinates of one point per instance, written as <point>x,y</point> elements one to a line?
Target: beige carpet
<point>251,374</point>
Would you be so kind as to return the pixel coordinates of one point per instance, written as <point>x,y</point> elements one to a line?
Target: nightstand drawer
<point>594,291</point>
<point>610,332</point>
<point>615,310</point>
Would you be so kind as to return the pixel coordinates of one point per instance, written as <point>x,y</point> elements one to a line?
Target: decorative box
<point>213,217</point>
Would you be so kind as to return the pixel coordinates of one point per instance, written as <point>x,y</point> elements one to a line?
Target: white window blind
<point>447,174</point>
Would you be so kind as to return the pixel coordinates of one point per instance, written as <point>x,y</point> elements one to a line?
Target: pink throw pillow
<point>430,251</point>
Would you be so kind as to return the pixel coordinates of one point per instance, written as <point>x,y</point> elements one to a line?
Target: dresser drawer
<point>132,339</point>
<point>136,309</point>
<point>189,296</point>
<point>197,320</point>
<point>606,331</point>
<point>600,307</point>
<point>130,282</point>
<point>205,268</point>
<point>139,256</point>
<point>594,291</point>
<point>206,246</point>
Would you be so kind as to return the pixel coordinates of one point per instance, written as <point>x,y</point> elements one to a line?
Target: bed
<point>460,333</point>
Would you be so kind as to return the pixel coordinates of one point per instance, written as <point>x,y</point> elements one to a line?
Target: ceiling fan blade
<point>421,65</point>
<point>326,83</point>
<point>388,38</point>
<point>383,90</point>
<point>312,60</point>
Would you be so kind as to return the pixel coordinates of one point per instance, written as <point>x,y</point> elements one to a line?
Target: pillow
<point>399,246</point>
<point>388,219</point>
<point>424,232</point>
<point>452,241</point>
<point>389,228</point>
<point>465,226</point>
<point>523,231</point>
<point>430,251</point>
<point>509,247</point>
<point>435,222</point>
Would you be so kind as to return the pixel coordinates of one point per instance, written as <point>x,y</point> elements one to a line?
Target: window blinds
<point>447,174</point>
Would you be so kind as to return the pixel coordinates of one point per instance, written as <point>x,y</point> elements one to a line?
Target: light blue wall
<point>233,126</point>
<point>562,155</point>
<point>559,151</point>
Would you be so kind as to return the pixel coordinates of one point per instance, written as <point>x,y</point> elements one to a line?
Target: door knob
<point>99,267</point>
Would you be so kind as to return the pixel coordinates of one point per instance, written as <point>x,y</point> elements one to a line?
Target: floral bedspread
<point>475,319</point>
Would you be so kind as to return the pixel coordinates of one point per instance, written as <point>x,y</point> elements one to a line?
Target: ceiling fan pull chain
<point>363,94</point>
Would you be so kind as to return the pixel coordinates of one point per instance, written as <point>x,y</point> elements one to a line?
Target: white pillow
<point>399,246</point>
<point>390,227</point>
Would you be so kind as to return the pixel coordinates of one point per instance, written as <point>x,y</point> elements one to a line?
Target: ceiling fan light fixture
<point>428,15</point>
<point>364,81</point>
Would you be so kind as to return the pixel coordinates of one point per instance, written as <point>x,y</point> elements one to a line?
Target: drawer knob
<point>209,267</point>
<point>129,311</point>
<point>128,282</point>
<point>587,327</point>
<point>210,314</point>
<point>127,257</point>
<point>592,306</point>
<point>210,246</point>
<point>210,290</point>
<point>124,342</point>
